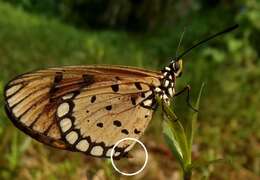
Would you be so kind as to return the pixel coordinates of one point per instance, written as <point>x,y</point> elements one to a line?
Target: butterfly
<point>90,108</point>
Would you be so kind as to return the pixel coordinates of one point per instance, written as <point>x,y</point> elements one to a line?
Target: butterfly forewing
<point>28,105</point>
<point>82,108</point>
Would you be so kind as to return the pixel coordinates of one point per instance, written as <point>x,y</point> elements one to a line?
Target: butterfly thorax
<point>168,81</point>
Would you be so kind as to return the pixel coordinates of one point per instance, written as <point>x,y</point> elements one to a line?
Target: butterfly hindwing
<point>82,108</point>
<point>93,123</point>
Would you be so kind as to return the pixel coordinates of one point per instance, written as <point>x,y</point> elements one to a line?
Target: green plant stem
<point>187,174</point>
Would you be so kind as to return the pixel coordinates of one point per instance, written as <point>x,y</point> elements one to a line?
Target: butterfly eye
<point>177,68</point>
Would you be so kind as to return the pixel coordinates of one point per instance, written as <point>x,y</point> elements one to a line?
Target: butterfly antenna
<point>207,39</point>
<point>180,41</point>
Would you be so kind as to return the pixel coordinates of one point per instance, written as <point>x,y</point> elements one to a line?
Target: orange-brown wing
<point>33,100</point>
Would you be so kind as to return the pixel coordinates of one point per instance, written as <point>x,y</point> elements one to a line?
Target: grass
<point>228,125</point>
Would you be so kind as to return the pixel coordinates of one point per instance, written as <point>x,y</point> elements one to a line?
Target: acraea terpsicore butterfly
<point>89,108</point>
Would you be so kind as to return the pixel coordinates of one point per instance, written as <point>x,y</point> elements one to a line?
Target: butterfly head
<point>176,67</point>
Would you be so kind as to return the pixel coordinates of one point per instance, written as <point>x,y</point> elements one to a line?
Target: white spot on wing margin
<point>65,124</point>
<point>97,151</point>
<point>72,137</point>
<point>63,109</point>
<point>83,145</point>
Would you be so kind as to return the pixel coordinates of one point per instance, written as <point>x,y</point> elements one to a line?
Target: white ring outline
<point>113,150</point>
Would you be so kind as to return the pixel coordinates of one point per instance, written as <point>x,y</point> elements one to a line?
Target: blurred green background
<point>36,34</point>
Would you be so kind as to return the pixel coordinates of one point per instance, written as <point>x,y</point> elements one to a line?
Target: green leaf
<point>172,143</point>
<point>192,122</point>
<point>175,135</point>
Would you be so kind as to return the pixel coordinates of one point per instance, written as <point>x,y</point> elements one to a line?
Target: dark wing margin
<point>57,143</point>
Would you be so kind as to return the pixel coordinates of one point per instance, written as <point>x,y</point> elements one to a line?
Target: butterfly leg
<point>165,113</point>
<point>188,89</point>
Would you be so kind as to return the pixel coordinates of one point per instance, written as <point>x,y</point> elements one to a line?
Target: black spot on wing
<point>138,86</point>
<point>93,99</point>
<point>124,131</point>
<point>136,131</point>
<point>108,108</point>
<point>57,79</point>
<point>117,123</point>
<point>100,125</point>
<point>115,87</point>
<point>88,79</point>
<point>133,100</point>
